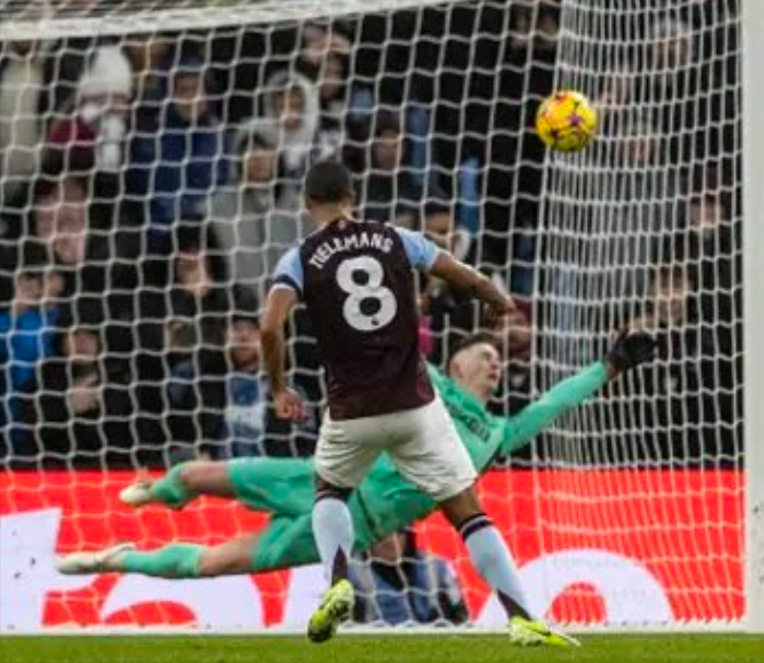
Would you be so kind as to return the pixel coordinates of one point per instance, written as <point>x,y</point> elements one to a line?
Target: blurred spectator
<point>680,404</point>
<point>672,50</point>
<point>151,56</point>
<point>672,71</point>
<point>254,222</point>
<point>27,331</point>
<point>94,133</point>
<point>36,79</point>
<point>618,90</point>
<point>633,209</point>
<point>388,192</point>
<point>709,244</point>
<point>80,408</point>
<point>345,104</point>
<point>98,262</point>
<point>182,333</point>
<point>244,408</point>
<point>396,583</point>
<point>239,419</point>
<point>177,163</point>
<point>291,110</point>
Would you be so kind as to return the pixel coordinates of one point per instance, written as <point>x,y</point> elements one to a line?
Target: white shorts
<point>423,444</point>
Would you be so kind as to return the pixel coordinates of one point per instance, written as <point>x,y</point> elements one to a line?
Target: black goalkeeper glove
<point>630,349</point>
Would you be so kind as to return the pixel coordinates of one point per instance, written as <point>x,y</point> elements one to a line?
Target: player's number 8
<point>369,304</point>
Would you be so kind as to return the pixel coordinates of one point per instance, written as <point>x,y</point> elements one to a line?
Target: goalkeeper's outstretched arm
<point>628,351</point>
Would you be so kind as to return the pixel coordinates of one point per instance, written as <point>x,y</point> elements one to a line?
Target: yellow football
<point>566,121</point>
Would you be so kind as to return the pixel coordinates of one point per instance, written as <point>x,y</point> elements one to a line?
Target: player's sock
<point>169,490</point>
<point>333,531</point>
<point>178,560</point>
<point>491,557</point>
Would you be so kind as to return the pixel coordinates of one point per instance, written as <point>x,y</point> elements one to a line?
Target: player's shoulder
<point>289,271</point>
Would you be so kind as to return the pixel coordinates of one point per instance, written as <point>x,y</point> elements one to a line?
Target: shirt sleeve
<point>563,396</point>
<point>288,272</point>
<point>421,252</point>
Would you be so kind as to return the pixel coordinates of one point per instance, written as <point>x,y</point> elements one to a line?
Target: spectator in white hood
<point>96,129</point>
<point>291,102</point>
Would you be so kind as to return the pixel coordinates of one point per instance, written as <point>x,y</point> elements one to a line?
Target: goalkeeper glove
<point>631,349</point>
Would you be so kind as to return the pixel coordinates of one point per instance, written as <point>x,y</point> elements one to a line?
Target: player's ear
<point>452,368</point>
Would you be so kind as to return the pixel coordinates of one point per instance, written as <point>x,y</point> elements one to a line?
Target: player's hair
<point>34,262</point>
<point>328,182</point>
<point>462,344</point>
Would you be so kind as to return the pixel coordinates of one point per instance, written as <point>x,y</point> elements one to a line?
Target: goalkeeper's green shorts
<point>285,488</point>
<point>288,541</point>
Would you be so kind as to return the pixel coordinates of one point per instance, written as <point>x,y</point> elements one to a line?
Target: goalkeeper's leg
<point>283,486</point>
<point>181,485</point>
<point>174,561</point>
<point>286,542</point>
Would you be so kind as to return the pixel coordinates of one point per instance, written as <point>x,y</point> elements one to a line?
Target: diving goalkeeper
<point>383,503</point>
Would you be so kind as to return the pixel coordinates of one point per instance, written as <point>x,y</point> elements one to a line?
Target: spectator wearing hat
<point>179,161</point>
<point>94,132</point>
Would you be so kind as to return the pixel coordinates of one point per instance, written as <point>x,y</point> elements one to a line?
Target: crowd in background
<point>148,185</point>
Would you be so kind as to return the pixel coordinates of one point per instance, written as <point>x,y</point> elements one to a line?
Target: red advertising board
<point>624,547</point>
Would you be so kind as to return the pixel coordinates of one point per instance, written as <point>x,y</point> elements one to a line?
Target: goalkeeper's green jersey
<point>385,502</point>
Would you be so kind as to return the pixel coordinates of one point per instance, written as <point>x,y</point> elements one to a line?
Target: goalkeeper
<point>383,503</point>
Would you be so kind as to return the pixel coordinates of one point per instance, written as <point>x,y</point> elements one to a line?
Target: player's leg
<point>343,456</point>
<point>491,556</point>
<point>434,459</point>
<point>181,484</point>
<point>283,486</point>
<point>174,561</point>
<point>488,552</point>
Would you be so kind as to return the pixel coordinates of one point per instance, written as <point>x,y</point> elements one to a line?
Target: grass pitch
<point>372,649</point>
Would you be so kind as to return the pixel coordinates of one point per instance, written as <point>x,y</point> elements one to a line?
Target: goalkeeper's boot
<point>81,563</point>
<point>336,608</point>
<point>137,494</point>
<point>534,632</point>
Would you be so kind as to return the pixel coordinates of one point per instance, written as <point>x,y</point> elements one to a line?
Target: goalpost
<point>642,510</point>
<point>753,137</point>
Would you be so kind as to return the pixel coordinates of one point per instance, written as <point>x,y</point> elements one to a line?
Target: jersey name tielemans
<point>362,240</point>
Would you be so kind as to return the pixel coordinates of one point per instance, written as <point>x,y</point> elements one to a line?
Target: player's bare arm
<point>468,280</point>
<point>278,306</point>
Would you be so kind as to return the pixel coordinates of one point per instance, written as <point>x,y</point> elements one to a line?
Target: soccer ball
<point>566,121</point>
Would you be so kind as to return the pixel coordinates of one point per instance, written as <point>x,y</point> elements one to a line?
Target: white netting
<point>644,228</point>
<point>151,156</point>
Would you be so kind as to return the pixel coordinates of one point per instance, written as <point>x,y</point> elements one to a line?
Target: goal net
<point>151,159</point>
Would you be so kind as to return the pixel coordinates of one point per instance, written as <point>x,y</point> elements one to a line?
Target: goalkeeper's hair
<point>463,343</point>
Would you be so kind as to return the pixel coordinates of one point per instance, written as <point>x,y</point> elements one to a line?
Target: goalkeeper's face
<point>477,368</point>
